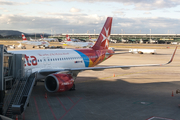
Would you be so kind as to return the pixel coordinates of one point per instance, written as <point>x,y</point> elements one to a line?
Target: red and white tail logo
<point>89,37</point>
<point>68,38</point>
<point>23,37</point>
<point>41,36</point>
<point>103,39</point>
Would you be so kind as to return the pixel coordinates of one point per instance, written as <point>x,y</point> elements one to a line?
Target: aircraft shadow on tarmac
<point>105,99</point>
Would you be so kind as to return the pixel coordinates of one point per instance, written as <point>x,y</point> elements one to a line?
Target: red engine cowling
<point>59,82</point>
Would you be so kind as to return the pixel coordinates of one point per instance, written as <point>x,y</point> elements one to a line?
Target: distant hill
<point>5,33</point>
<point>15,33</point>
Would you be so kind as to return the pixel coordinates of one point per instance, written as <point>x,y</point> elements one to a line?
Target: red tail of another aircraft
<point>68,38</point>
<point>103,39</point>
<point>23,37</point>
<point>41,36</point>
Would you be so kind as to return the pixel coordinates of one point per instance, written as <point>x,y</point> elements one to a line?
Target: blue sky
<point>82,16</point>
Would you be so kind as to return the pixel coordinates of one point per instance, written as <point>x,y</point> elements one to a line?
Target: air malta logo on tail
<point>106,37</point>
<point>103,39</point>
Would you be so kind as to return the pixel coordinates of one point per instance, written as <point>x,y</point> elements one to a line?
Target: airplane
<point>93,40</point>
<point>48,39</point>
<point>34,43</point>
<point>78,44</point>
<point>34,39</point>
<point>60,67</point>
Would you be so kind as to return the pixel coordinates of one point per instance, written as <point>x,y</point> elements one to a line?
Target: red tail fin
<point>103,39</point>
<point>89,37</point>
<point>23,37</point>
<point>41,36</point>
<point>68,38</point>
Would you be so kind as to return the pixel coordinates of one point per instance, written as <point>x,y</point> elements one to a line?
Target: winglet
<point>172,55</point>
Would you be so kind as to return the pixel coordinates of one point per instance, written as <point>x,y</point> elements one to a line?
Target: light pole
<point>73,31</point>
<point>150,35</point>
<point>121,34</point>
<point>51,32</point>
<point>94,32</point>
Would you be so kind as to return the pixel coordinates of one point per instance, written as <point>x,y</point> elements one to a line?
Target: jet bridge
<point>15,85</point>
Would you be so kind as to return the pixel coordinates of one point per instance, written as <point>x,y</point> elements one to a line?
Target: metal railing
<point>10,93</point>
<point>15,95</point>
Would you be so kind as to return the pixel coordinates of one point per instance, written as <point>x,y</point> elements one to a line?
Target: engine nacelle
<point>59,82</point>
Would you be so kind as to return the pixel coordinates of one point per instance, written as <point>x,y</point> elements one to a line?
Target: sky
<point>88,16</point>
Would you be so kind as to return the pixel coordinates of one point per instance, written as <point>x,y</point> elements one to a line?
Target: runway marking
<point>23,116</point>
<point>51,109</point>
<point>70,109</point>
<point>66,111</point>
<point>158,118</point>
<point>71,100</point>
<point>61,104</point>
<point>37,109</point>
<point>143,103</point>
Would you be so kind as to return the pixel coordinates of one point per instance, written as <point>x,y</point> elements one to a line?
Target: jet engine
<point>59,82</point>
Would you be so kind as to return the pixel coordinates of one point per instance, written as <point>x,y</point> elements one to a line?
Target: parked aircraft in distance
<point>92,40</point>
<point>78,44</point>
<point>34,39</point>
<point>60,67</point>
<point>34,43</point>
<point>48,39</point>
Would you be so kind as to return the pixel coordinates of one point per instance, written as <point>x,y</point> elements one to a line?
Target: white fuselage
<point>35,43</point>
<point>37,60</point>
<point>80,44</point>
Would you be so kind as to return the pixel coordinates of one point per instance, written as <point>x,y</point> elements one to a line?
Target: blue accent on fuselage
<point>85,58</point>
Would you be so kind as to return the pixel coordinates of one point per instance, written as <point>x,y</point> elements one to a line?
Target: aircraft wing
<point>117,53</point>
<point>49,71</point>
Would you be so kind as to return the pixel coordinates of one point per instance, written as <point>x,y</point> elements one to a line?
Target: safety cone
<point>16,117</point>
<point>45,95</point>
<point>172,94</point>
<point>113,75</point>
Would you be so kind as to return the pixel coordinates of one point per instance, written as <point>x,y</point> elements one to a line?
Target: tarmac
<point>140,93</point>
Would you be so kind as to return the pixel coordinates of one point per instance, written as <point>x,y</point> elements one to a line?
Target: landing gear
<point>177,91</point>
<point>23,47</point>
<point>73,88</point>
<point>35,83</point>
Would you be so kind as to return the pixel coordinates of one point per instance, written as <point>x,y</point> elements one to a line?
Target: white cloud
<point>83,22</point>
<point>3,2</point>
<point>139,4</point>
<point>74,10</point>
<point>147,13</point>
<point>118,13</point>
<point>45,0</point>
